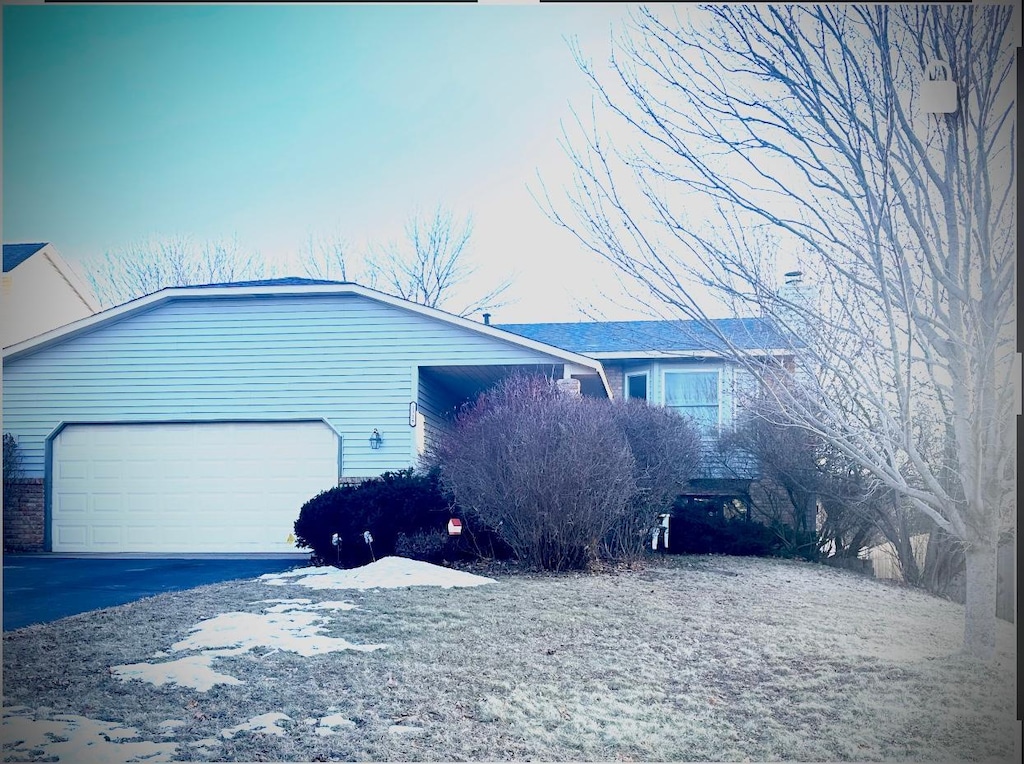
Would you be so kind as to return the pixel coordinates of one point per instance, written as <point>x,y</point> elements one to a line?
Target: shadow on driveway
<point>43,588</point>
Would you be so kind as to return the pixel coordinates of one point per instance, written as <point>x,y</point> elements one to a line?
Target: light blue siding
<point>655,380</point>
<point>436,406</point>
<point>344,358</point>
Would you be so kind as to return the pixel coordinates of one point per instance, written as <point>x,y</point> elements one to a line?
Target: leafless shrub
<point>666,450</point>
<point>565,480</point>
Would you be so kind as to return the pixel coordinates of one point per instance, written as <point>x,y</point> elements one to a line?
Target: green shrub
<point>401,510</point>
<point>12,459</point>
<point>698,528</point>
<point>429,546</point>
<point>12,469</point>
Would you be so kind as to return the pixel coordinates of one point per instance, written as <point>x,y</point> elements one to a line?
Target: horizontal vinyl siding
<point>344,358</point>
<point>436,407</point>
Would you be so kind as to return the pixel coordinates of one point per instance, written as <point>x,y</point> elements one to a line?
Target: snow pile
<point>385,573</point>
<point>69,737</point>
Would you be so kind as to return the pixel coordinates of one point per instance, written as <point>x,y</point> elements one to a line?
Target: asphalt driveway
<point>43,588</point>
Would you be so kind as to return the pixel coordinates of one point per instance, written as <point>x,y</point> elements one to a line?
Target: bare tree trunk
<point>980,627</point>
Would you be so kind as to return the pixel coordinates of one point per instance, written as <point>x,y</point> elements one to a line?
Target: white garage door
<point>215,487</point>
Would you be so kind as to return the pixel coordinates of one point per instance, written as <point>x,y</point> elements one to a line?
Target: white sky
<point>270,124</point>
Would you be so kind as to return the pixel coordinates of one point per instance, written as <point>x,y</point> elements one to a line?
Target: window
<point>694,394</point>
<point>636,386</point>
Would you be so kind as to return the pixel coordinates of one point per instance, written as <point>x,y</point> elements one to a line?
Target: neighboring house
<point>39,292</point>
<point>199,419</point>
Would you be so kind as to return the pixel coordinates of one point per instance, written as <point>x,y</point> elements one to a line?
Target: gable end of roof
<point>16,254</point>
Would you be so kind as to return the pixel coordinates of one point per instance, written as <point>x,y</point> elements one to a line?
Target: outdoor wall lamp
<point>375,439</point>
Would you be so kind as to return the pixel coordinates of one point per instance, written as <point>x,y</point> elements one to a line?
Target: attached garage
<point>186,487</point>
<point>200,419</point>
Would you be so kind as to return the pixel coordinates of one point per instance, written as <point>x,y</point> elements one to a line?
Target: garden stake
<point>369,542</point>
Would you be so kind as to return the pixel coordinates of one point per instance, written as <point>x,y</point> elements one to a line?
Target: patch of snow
<point>404,729</point>
<point>333,724</point>
<point>280,579</point>
<point>385,573</point>
<point>205,744</point>
<point>264,724</point>
<point>290,625</point>
<point>294,572</point>
<point>299,632</point>
<point>333,605</point>
<point>192,671</point>
<point>171,724</point>
<point>286,607</point>
<point>76,738</point>
<point>301,601</point>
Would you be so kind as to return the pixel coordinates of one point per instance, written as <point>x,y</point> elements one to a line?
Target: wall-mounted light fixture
<point>375,439</point>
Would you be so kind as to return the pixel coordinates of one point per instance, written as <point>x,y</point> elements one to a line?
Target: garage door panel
<point>75,502</point>
<point>106,535</point>
<point>107,469</point>
<point>106,502</point>
<point>72,469</point>
<point>70,534</point>
<point>233,487</point>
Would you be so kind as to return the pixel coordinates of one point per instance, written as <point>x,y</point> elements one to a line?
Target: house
<point>39,292</point>
<point>199,419</point>
<point>681,365</point>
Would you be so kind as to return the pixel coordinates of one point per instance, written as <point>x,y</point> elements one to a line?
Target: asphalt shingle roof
<point>284,281</point>
<point>16,254</point>
<point>605,336</point>
<point>625,336</point>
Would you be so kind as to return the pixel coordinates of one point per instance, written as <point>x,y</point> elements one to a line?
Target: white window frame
<point>718,375</point>
<point>625,384</point>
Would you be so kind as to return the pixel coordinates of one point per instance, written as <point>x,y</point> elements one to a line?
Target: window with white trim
<point>636,386</point>
<point>694,394</point>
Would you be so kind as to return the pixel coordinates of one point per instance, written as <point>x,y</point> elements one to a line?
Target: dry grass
<point>692,658</point>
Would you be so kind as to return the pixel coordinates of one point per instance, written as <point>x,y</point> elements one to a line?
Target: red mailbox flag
<point>454,526</point>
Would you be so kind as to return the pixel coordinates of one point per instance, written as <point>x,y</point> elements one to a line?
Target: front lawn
<point>692,658</point>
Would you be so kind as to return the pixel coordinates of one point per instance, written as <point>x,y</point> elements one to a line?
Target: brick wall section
<point>615,379</point>
<point>24,516</point>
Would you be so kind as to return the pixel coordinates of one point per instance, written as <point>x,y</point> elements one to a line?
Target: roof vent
<point>487,319</point>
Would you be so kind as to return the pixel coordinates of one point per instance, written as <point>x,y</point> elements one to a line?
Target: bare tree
<point>744,132</point>
<point>147,266</point>
<point>431,267</point>
<point>326,257</point>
